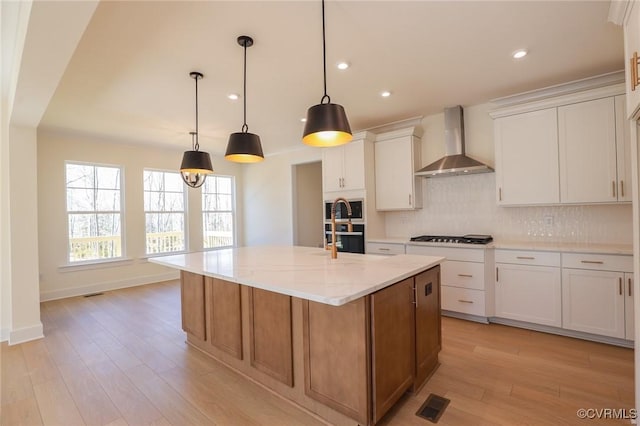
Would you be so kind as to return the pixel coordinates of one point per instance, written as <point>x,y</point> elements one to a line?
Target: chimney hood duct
<point>455,162</point>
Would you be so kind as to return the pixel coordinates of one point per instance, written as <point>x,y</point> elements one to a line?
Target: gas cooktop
<point>465,239</point>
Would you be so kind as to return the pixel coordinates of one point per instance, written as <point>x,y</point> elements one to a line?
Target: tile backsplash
<point>467,205</point>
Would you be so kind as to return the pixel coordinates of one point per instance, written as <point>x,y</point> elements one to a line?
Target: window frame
<point>123,249</point>
<point>185,213</point>
<point>234,231</point>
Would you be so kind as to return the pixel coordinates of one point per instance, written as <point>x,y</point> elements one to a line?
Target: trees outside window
<point>94,211</point>
<point>218,211</point>
<point>165,213</point>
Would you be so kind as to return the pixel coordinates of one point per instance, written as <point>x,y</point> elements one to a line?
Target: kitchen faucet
<point>334,247</point>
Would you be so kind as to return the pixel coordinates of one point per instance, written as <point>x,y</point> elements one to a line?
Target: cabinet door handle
<point>635,81</point>
<point>465,275</point>
<point>525,257</point>
<point>620,286</point>
<point>465,301</point>
<point>629,286</point>
<point>499,194</point>
<point>613,186</point>
<point>415,295</point>
<point>409,199</point>
<point>622,188</point>
<point>596,262</point>
<point>497,277</point>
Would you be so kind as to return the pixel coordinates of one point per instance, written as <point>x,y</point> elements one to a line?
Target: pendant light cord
<point>196,147</point>
<point>245,128</point>
<point>324,60</point>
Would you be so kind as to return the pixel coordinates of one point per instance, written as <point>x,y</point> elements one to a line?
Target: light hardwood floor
<point>121,359</point>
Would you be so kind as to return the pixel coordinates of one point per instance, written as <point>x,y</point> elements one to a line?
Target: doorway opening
<point>308,205</point>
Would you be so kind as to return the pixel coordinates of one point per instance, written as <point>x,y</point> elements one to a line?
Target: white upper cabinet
<point>566,144</point>
<point>587,148</point>
<point>526,147</point>
<point>397,157</point>
<point>344,166</point>
<point>623,146</point>
<point>632,50</point>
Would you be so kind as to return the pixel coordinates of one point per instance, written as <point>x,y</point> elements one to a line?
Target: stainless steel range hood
<point>455,162</point>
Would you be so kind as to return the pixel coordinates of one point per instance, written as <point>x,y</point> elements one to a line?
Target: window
<point>217,211</point>
<point>164,202</point>
<point>94,212</point>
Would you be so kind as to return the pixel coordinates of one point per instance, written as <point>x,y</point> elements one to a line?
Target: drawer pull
<point>465,301</point>
<point>465,275</point>
<point>635,80</point>
<point>525,257</point>
<point>595,262</point>
<point>383,249</point>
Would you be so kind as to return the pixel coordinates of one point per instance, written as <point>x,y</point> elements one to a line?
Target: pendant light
<point>244,147</point>
<point>327,123</point>
<point>196,164</point>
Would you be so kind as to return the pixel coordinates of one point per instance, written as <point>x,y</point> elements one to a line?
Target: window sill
<point>95,264</point>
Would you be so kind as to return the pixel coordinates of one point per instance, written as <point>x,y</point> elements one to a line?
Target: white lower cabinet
<point>466,285</point>
<point>529,293</point>
<point>598,298</point>
<point>593,302</point>
<point>629,315</point>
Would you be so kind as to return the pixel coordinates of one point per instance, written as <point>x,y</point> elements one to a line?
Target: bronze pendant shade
<point>196,164</point>
<point>244,147</point>
<point>327,124</point>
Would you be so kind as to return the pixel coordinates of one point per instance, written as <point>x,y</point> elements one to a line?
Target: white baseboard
<point>107,286</point>
<point>4,334</point>
<point>26,334</point>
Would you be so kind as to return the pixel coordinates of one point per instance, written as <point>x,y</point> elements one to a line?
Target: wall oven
<point>357,210</point>
<point>351,242</point>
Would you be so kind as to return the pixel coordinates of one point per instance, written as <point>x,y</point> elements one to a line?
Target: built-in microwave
<point>357,210</point>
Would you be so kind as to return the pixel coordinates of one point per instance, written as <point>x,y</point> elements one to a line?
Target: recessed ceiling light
<point>342,65</point>
<point>385,94</point>
<point>518,54</point>
<point>304,120</point>
<point>233,96</point>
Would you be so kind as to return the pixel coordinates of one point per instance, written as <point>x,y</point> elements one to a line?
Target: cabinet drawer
<point>451,253</point>
<point>385,248</point>
<point>464,300</point>
<point>520,257</point>
<point>463,274</point>
<point>600,262</point>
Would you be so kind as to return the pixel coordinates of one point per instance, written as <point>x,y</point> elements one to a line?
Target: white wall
<point>268,195</point>
<point>466,204</point>
<point>54,148</point>
<point>308,204</point>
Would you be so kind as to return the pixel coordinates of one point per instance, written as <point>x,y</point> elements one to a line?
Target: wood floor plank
<point>24,412</point>
<point>15,382</point>
<point>39,363</point>
<point>171,404</point>
<point>56,404</point>
<point>134,406</point>
<point>95,406</point>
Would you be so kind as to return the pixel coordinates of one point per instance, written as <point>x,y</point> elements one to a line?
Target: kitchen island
<point>343,338</point>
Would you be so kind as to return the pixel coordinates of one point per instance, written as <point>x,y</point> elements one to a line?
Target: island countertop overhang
<point>303,272</point>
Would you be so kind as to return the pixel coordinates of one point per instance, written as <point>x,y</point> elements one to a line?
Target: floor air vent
<point>433,408</point>
<point>93,294</point>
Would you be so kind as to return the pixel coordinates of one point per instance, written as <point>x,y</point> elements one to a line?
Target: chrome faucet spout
<point>334,247</point>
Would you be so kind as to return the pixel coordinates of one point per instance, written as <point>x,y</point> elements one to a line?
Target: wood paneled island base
<point>347,364</point>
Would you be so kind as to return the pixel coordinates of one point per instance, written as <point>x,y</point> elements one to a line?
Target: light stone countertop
<point>304,272</point>
<point>599,248</point>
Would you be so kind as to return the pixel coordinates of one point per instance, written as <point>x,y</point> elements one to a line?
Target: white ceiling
<point>129,77</point>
